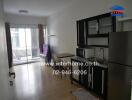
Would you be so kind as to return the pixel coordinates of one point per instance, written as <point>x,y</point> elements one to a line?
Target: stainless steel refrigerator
<point>120,66</point>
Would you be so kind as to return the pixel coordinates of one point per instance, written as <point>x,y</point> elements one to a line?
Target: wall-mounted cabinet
<point>92,26</point>
<point>105,25</point>
<point>95,27</point>
<point>81,33</point>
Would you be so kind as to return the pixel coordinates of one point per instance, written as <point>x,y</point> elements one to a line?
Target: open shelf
<point>94,46</point>
<point>98,35</point>
<point>104,46</point>
<point>92,26</point>
<point>124,19</point>
<point>106,25</point>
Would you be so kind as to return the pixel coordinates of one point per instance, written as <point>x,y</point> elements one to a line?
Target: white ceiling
<point>35,7</point>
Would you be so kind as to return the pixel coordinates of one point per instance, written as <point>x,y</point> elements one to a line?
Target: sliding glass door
<point>25,45</point>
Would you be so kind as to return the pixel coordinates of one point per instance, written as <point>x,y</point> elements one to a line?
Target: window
<point>15,37</point>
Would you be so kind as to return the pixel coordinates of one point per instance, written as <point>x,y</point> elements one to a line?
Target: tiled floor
<point>36,82</point>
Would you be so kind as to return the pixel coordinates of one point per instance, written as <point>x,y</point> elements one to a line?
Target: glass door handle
<point>131,89</point>
<point>85,33</point>
<point>97,27</point>
<point>92,77</point>
<point>102,81</point>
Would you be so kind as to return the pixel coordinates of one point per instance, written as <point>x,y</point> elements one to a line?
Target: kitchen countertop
<point>88,61</point>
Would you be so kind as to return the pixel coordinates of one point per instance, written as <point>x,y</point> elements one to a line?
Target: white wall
<point>4,69</point>
<point>21,19</point>
<point>63,23</point>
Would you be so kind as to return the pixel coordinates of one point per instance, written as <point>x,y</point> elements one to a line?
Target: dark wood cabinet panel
<point>84,76</point>
<point>81,33</point>
<point>97,80</point>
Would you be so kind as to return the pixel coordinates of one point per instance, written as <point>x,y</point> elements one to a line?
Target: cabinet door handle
<point>89,77</point>
<point>131,89</point>
<point>97,27</point>
<point>102,81</point>
<point>85,33</point>
<point>78,33</point>
<point>84,53</point>
<point>92,77</point>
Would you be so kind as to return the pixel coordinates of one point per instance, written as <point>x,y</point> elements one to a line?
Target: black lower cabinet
<point>83,76</point>
<point>98,80</point>
<point>94,78</point>
<point>89,78</point>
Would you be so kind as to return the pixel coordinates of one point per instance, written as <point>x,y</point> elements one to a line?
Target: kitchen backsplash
<point>99,53</point>
<point>97,41</point>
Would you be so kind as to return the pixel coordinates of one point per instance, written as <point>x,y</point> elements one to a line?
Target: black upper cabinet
<point>102,24</point>
<point>95,27</point>
<point>92,26</point>
<point>81,33</point>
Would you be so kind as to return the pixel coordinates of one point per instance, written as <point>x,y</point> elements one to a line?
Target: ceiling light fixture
<point>23,11</point>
